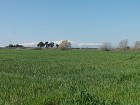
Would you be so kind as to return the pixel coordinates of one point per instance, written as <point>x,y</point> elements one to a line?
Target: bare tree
<point>123,44</point>
<point>64,45</point>
<point>137,45</point>
<point>106,46</point>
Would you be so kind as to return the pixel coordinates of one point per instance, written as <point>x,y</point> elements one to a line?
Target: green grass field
<point>75,77</point>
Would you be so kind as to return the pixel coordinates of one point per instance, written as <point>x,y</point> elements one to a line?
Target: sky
<point>92,21</point>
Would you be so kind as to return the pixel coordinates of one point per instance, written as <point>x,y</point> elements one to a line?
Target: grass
<point>76,77</point>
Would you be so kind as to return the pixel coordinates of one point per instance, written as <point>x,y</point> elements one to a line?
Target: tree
<point>137,45</point>
<point>17,45</point>
<point>51,44</point>
<point>41,44</point>
<point>10,45</point>
<point>106,46</point>
<point>57,45</point>
<point>46,43</point>
<point>64,45</point>
<point>123,44</point>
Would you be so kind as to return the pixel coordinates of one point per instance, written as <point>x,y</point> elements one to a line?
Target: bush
<point>64,45</point>
<point>106,46</point>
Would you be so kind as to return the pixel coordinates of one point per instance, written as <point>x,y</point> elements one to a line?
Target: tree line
<point>106,46</point>
<point>14,46</point>
<point>47,45</point>
<point>123,45</point>
<point>63,45</point>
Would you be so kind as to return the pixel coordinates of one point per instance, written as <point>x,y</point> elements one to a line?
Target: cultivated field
<point>76,77</point>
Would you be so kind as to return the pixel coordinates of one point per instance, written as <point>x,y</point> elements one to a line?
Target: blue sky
<point>95,21</point>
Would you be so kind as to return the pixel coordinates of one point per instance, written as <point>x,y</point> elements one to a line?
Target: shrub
<point>64,45</point>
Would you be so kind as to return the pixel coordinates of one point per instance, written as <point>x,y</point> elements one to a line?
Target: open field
<point>76,77</point>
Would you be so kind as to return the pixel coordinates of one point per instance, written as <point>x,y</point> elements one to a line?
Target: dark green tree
<point>46,44</point>
<point>10,45</point>
<point>51,44</point>
<point>41,44</point>
<point>57,45</point>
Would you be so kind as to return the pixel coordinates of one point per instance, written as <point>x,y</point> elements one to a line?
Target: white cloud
<point>30,44</point>
<point>89,44</point>
<point>58,42</point>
